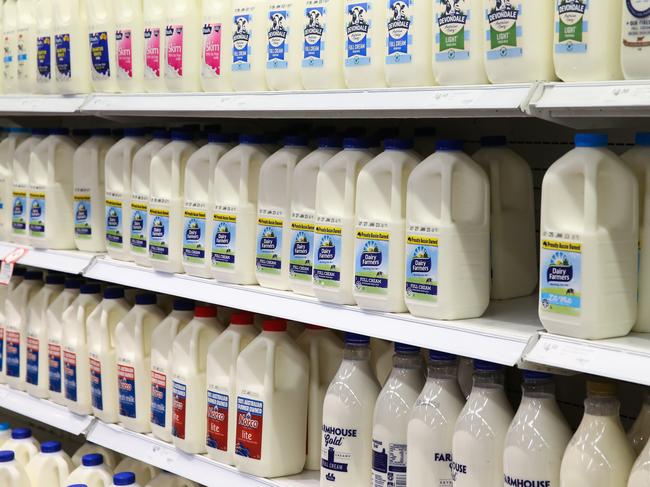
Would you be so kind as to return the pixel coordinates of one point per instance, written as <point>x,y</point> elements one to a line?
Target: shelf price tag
<point>8,262</point>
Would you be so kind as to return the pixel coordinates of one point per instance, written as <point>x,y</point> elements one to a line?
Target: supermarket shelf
<point>70,261</point>
<point>47,105</point>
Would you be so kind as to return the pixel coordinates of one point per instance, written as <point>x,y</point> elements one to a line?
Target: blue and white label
<point>422,267</point>
<point>19,213</point>
<point>241,45</point>
<point>33,354</point>
<point>138,237</point>
<point>636,26</point>
<point>224,239</point>
<point>399,32</point>
<point>371,260</point>
<point>96,383</point>
<point>54,366</point>
<point>302,250</point>
<point>561,276</point>
<point>126,390</point>
<point>339,444</point>
<point>503,36</point>
<point>114,236</point>
<point>277,47</point>
<point>70,375</point>
<point>358,39</point>
<point>100,65</point>
<point>12,342</point>
<point>43,59</point>
<point>37,214</point>
<point>82,215</point>
<point>388,463</point>
<point>269,244</point>
<point>159,234</point>
<point>194,237</point>
<point>63,62</point>
<point>313,42</point>
<point>328,239</point>
<point>158,398</point>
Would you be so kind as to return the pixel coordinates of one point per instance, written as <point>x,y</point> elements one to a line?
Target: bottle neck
<point>488,379</point>
<point>356,352</point>
<point>600,405</point>
<point>538,389</point>
<point>408,361</point>
<point>443,370</point>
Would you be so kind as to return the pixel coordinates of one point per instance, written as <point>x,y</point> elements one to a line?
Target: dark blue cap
<point>356,339</point>
<point>181,135</point>
<point>449,145</point>
<point>18,130</point>
<point>51,446</point>
<point>113,292</point>
<point>181,304</point>
<point>219,138</point>
<point>642,138</point>
<point>7,456</point>
<point>55,279</point>
<point>486,366</point>
<point>40,132</point>
<point>398,144</point>
<point>252,139</point>
<point>330,142</point>
<point>145,298</point>
<point>441,356</point>
<point>134,132</point>
<point>356,143</point>
<point>21,433</point>
<point>73,282</point>
<point>160,134</point>
<point>77,485</point>
<point>535,375</point>
<point>20,271</point>
<point>406,349</point>
<point>59,131</point>
<point>295,141</point>
<point>494,141</point>
<point>90,288</point>
<point>101,132</point>
<point>34,275</point>
<point>92,459</point>
<point>4,426</point>
<point>124,478</point>
<point>591,140</point>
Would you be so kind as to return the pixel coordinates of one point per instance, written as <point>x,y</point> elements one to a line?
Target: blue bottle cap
<point>20,271</point>
<point>101,132</point>
<point>55,279</point>
<point>406,349</point>
<point>92,459</point>
<point>591,140</point>
<point>449,145</point>
<point>181,304</point>
<point>535,375</point>
<point>134,132</point>
<point>145,298</point>
<point>34,275</point>
<point>181,135</point>
<point>73,283</point>
<point>486,366</point>
<point>329,142</point>
<point>40,132</point>
<point>441,356</point>
<point>398,144</point>
<point>21,433</point>
<point>219,138</point>
<point>356,143</point>
<point>59,131</point>
<point>90,288</point>
<point>252,139</point>
<point>51,447</point>
<point>7,456</point>
<point>295,141</point>
<point>642,138</point>
<point>356,339</point>
<point>113,292</point>
<point>5,426</point>
<point>124,478</point>
<point>160,134</point>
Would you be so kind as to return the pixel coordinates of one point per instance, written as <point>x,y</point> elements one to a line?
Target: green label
<point>571,32</point>
<point>505,38</point>
<point>453,41</point>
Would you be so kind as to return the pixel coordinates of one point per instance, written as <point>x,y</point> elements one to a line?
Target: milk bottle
<point>599,454</point>
<point>334,229</point>
<point>140,174</point>
<point>166,202</point>
<point>182,45</point>
<point>458,36</point>
<point>92,472</point>
<point>364,40</point>
<point>72,73</point>
<point>155,23</point>
<point>101,29</point>
<point>586,41</point>
<point>380,225</point>
<point>166,479</point>
<point>124,478</point>
<point>26,45</point>
<point>23,444</point>
<point>76,371</point>
<point>248,46</point>
<point>133,352</point>
<point>537,435</point>
<point>391,416</point>
<point>16,279</point>
<point>480,431</point>
<point>635,47</point>
<point>222,386</point>
<point>273,247</point>
<point>431,424</point>
<point>8,147</point>
<point>129,46</point>
<point>188,371</point>
<point>574,300</point>
<point>284,31</point>
<point>162,340</point>
<point>216,54</point>
<point>143,472</point>
<point>272,412</point>
<point>640,431</point>
<point>50,467</point>
<point>448,230</point>
<point>100,329</point>
<point>88,179</point>
<point>11,472</point>
<point>45,51</point>
<point>118,168</point>
<point>346,446</point>
<point>37,355</point>
<point>10,44</point>
<point>325,351</point>
<point>236,179</point>
<point>110,457</point>
<point>512,219</point>
<point>384,364</point>
<point>199,201</point>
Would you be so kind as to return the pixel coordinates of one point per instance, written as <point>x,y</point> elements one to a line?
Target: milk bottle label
<point>509,481</point>
<point>372,259</point>
<point>269,242</point>
<point>194,237</point>
<point>327,254</point>
<point>443,467</point>
<point>114,237</point>
<point>224,238</point>
<point>302,248</point>
<point>211,67</point>
<point>399,37</point>
<point>505,31</point>
<point>151,53</point>
<point>70,374</point>
<point>250,420</point>
<point>561,276</point>
<point>458,472</point>
<point>31,374</point>
<point>241,38</point>
<point>37,214</point>
<point>21,57</point>
<point>453,34</point>
<point>12,339</point>
<point>572,27</point>
<point>388,464</point>
<point>217,434</point>
<point>179,408</point>
<point>99,56</point>
<point>54,366</point>
<point>19,213</point>
<point>126,390</point>
<point>174,58</point>
<point>422,267</point>
<point>358,35</point>
<point>82,214</point>
<point>277,39</point>
<point>158,398</point>
<point>123,45</point>
<point>43,58</point>
<point>338,446</point>
<point>139,227</point>
<point>96,383</point>
<point>313,47</point>
<point>2,347</point>
<point>63,61</point>
<point>636,31</point>
<point>159,234</point>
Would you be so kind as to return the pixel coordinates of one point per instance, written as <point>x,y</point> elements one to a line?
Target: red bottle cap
<point>205,312</point>
<point>242,318</point>
<point>315,327</point>
<point>275,325</point>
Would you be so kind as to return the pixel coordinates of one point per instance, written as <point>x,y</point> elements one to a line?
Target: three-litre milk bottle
<point>16,279</point>
<point>26,20</point>
<point>334,229</point>
<point>273,245</point>
<point>8,147</point>
<point>431,425</point>
<point>222,386</point>
<point>155,22</point>
<point>599,454</point>
<point>480,431</point>
<point>635,46</point>
<point>182,45</point>
<point>9,26</point>
<point>23,444</point>
<point>11,471</point>
<point>92,472</point>
<point>380,225</point>
<point>45,50</point>
<point>101,36</point>
<point>364,40</point>
<point>284,23</point>
<point>216,55</point>
<point>639,433</point>
<point>580,297</point>
<point>50,467</point>
<point>448,228</point>
<point>248,45</point>
<point>391,416</point>
<point>72,73</point>
<point>129,45</point>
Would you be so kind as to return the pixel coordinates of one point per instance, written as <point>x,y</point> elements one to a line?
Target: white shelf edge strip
<point>70,261</point>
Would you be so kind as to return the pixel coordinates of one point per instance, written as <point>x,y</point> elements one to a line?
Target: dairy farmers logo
<point>18,207</point>
<point>559,269</point>
<point>36,210</point>
<point>222,236</point>
<point>420,260</point>
<point>326,249</point>
<point>157,228</point>
<point>371,255</point>
<point>113,219</point>
<point>268,240</point>
<point>137,223</point>
<point>301,246</point>
<point>193,232</point>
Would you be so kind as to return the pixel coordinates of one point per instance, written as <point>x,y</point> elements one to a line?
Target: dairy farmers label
<point>123,45</point>
<point>96,383</point>
<point>250,421</point>
<point>151,54</point>
<point>327,254</point>
<point>505,30</point>
<point>277,46</point>
<point>126,390</point>
<point>211,65</point>
<point>636,28</point>
<point>561,276</point>
<point>302,249</point>
<point>399,33</point>
<point>357,34</point>
<point>422,267</point>
<point>224,239</point>
<point>217,417</point>
<point>194,237</point>
<point>179,409</point>
<point>36,214</point>
<point>70,375</point>
<point>336,452</point>
<point>114,237</point>
<point>174,50</point>
<point>63,61</point>
<point>269,245</point>
<point>19,213</point>
<point>572,26</point>
<point>54,366</point>
<point>241,46</point>
<point>138,237</point>
<point>371,260</point>
<point>31,374</point>
<point>82,214</point>
<point>100,66</point>
<point>43,59</point>
<point>509,481</point>
<point>388,464</point>
<point>12,342</point>
<point>159,234</point>
<point>313,43</point>
<point>158,398</point>
<point>452,33</point>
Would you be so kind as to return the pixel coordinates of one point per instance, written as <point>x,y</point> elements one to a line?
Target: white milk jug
<point>579,296</point>
<point>16,279</point>
<point>222,386</point>
<point>165,479</point>
<point>88,178</point>
<point>285,41</point>
<point>72,60</point>
<point>273,245</point>
<point>12,473</point>
<point>431,425</point>
<point>143,472</point>
<point>101,36</point>
<point>364,40</point>
<point>45,49</point>
<point>380,226</point>
<point>129,45</point>
<point>50,467</point>
<point>346,446</point>
<point>640,475</point>
<point>110,457</point>
<point>480,431</point>
<point>391,416</point>
<point>248,45</point>
<point>216,56</point>
<point>512,219</point>
<point>635,46</point>
<point>272,394</point>
<point>8,147</point>
<point>26,20</point>
<point>23,444</point>
<point>236,181</point>
<point>92,472</point>
<point>448,228</point>
<point>603,459</point>
<point>188,373</point>
<point>10,44</point>
<point>639,433</point>
<point>182,45</point>
<point>155,23</point>
<point>334,229</point>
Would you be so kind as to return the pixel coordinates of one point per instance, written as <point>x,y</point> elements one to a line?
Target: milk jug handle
<point>269,375</point>
<point>447,174</point>
<point>395,193</point>
<point>591,197</point>
<point>243,179</point>
<point>194,344</point>
<point>176,176</point>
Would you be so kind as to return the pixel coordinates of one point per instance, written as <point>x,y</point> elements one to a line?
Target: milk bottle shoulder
<point>72,60</point>
<point>20,189</point>
<point>45,49</point>
<point>143,472</point>
<point>50,467</point>
<point>129,46</point>
<point>640,475</point>
<point>364,41</point>
<point>26,21</point>
<point>248,45</point>
<point>110,458</point>
<point>11,471</point>
<point>639,433</point>
<point>23,444</point>
<point>10,44</point>
<point>92,472</point>
<point>101,37</point>
<point>8,147</point>
<point>635,48</point>
<point>284,22</point>
<point>182,45</point>
<point>155,23</point>
<point>215,48</point>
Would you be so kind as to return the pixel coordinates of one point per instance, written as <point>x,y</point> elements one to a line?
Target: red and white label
<point>217,417</point>
<point>179,409</point>
<point>250,422</point>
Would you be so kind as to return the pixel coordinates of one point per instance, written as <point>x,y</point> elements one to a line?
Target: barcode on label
<point>400,480</point>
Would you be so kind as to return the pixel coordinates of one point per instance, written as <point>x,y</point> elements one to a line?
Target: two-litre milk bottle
<point>143,472</point>
<point>50,467</point>
<point>72,60</point>
<point>101,37</point>
<point>11,471</point>
<point>273,245</point>
<point>588,196</point>
<point>431,425</point>
<point>23,444</point>
<point>248,45</point>
<point>364,40</point>
<point>391,416</point>
<point>155,23</point>
<point>284,31</point>
<point>8,146</point>
<point>448,229</point>
<point>129,45</point>
<point>188,374</point>
<point>380,225</point>
<point>182,45</point>
<point>9,26</point>
<point>639,433</point>
<point>635,46</point>
<point>26,20</point>
<point>216,56</point>
<point>45,50</point>
<point>92,472</point>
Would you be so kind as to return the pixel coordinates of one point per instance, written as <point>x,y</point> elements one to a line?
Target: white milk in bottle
<point>8,147</point>
<point>23,444</point>
<point>380,226</point>
<point>129,45</point>
<point>16,279</point>
<point>364,40</point>
<point>50,467</point>
<point>448,229</point>
<point>216,53</point>
<point>143,472</point>
<point>640,475</point>
<point>72,60</point>
<point>101,36</point>
<point>92,472</point>
<point>182,45</point>
<point>26,21</point>
<point>110,457</point>
<point>635,46</point>
<point>639,433</point>
<point>45,50</point>
<point>155,22</point>
<point>248,45</point>
<point>284,21</point>
<point>9,25</point>
<point>12,472</point>
<point>580,297</point>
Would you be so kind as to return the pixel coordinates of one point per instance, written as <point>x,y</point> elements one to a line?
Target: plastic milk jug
<point>45,51</point>
<point>110,457</point>
<point>273,245</point>
<point>162,340</point>
<point>284,31</point>
<point>364,53</point>
<point>380,226</point>
<point>50,186</point>
<point>580,297</point>
<point>216,54</point>
<point>88,162</point>
<point>143,472</point>
<point>37,356</point>
<point>11,471</point>
<point>76,369</point>
<point>23,444</point>
<point>129,45</point>
<point>537,436</point>
<point>101,36</point>
<point>26,19</point>
<point>392,414</point>
<point>92,472</point>
<point>235,209</point>
<point>139,210</point>
<point>166,202</point>
<point>10,44</point>
<point>102,355</point>
<point>155,23</point>
<point>222,386</point>
<point>639,433</point>
<point>635,46</point>
<point>248,45</point>
<point>325,351</point>
<point>346,446</point>
<point>182,45</point>
<point>166,479</point>
<point>431,425</point>
<point>458,42</point>
<point>72,72</point>
<point>16,279</point>
<point>603,459</point>
<point>8,147</point>
<point>188,373</point>
<point>334,243</point>
<point>480,431</point>
<point>512,219</point>
<point>586,40</point>
<point>383,363</point>
<point>199,201</point>
<point>50,467</point>
<point>448,229</point>
<point>118,170</point>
